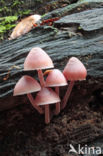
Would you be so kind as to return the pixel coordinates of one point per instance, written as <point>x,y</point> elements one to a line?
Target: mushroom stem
<point>41,78</point>
<point>67,94</point>
<point>47,114</point>
<point>57,111</point>
<point>32,101</point>
<point>47,111</point>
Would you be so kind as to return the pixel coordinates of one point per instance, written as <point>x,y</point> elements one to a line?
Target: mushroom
<point>74,70</point>
<point>27,85</point>
<point>24,26</point>
<point>38,59</point>
<point>55,79</point>
<point>45,97</point>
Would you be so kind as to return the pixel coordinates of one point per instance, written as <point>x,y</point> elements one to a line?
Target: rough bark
<point>22,129</point>
<point>60,42</point>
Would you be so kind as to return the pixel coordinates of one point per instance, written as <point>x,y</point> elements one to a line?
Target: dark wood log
<point>59,44</point>
<point>73,8</point>
<point>86,20</point>
<point>22,129</point>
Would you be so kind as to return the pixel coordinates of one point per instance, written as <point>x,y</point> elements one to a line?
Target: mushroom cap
<point>46,96</point>
<point>36,17</point>
<point>37,59</point>
<point>26,85</point>
<point>75,70</point>
<point>55,78</point>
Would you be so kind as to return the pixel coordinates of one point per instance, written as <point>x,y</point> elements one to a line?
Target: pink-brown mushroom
<point>38,59</point>
<point>45,97</point>
<point>74,70</point>
<point>27,85</point>
<point>55,79</point>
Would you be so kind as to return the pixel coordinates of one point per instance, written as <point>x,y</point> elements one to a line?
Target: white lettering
<point>80,149</point>
<point>98,150</point>
<point>85,150</point>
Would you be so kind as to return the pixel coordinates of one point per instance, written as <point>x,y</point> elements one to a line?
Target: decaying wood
<point>22,129</point>
<point>90,20</point>
<point>60,43</point>
<point>75,7</point>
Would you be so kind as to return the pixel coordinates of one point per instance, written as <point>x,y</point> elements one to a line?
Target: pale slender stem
<point>47,114</point>
<point>32,101</point>
<point>41,78</point>
<point>67,94</point>
<point>47,111</point>
<point>57,111</point>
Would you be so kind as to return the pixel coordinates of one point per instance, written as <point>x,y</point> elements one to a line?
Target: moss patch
<point>6,24</point>
<point>9,14</point>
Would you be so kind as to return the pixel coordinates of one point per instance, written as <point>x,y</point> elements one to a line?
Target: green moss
<point>43,15</point>
<point>2,28</point>
<point>10,19</point>
<point>79,28</point>
<point>17,3</point>
<point>9,15</point>
<point>4,10</point>
<point>2,2</point>
<point>6,24</point>
<point>25,12</point>
<point>9,26</point>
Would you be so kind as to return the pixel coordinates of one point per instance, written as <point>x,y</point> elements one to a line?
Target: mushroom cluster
<point>48,89</point>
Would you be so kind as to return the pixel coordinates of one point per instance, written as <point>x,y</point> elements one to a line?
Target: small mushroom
<point>55,79</point>
<point>74,70</point>
<point>38,59</point>
<point>45,97</point>
<point>27,85</point>
<point>24,26</point>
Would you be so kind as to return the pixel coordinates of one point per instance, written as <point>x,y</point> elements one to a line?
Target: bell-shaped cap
<point>37,59</point>
<point>26,85</point>
<point>55,78</point>
<point>46,96</point>
<point>75,70</point>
